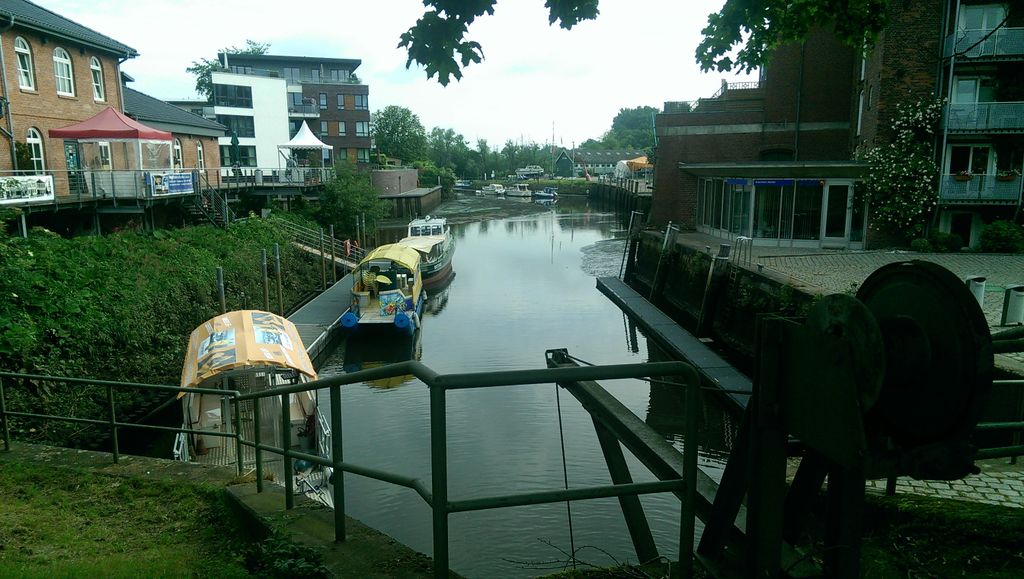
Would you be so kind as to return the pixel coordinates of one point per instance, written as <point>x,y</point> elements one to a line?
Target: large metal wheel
<point>938,353</point>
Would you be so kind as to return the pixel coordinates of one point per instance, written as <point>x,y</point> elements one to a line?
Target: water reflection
<point>525,284</point>
<point>375,349</point>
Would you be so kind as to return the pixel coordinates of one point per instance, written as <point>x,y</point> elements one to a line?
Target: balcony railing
<point>728,86</point>
<point>672,107</point>
<point>304,110</point>
<point>979,189</point>
<point>969,43</point>
<point>986,117</point>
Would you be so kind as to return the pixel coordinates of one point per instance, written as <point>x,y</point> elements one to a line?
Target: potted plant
<point>1007,175</point>
<point>964,175</point>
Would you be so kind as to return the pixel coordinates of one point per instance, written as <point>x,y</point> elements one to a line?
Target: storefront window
<point>807,209</point>
<point>767,203</point>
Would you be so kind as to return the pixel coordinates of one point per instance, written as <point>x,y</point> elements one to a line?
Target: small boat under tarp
<point>249,351</point>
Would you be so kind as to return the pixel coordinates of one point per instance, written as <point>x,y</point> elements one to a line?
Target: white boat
<point>530,172</point>
<point>249,351</point>
<point>519,190</point>
<point>547,193</point>
<point>433,239</point>
<point>388,290</point>
<point>493,189</point>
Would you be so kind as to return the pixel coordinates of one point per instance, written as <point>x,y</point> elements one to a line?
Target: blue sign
<point>736,181</point>
<point>773,181</point>
<point>172,183</point>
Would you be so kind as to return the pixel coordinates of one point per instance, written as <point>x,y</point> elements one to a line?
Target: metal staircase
<point>211,205</point>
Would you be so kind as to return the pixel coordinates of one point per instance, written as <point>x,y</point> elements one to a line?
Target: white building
<point>255,109</point>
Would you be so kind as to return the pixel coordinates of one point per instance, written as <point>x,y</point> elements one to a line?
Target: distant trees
<point>346,197</point>
<point>631,129</point>
<point>204,67</point>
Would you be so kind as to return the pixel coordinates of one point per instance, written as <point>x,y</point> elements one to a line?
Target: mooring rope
<point>565,476</point>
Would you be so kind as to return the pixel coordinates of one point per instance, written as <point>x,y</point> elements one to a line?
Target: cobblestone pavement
<point>994,488</point>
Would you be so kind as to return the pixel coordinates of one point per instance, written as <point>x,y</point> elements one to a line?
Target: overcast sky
<point>637,52</point>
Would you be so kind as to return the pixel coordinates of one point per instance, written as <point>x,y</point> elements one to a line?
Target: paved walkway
<point>1004,488</point>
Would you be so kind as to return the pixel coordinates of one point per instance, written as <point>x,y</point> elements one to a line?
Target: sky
<point>536,80</point>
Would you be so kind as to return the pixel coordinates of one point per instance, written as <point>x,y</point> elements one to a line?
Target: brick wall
<point>42,108</point>
<point>349,115</point>
<point>394,181</point>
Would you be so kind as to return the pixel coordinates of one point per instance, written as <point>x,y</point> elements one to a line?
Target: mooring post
<point>687,530</point>
<point>236,407</point>
<point>3,415</point>
<point>323,262</point>
<point>661,257</point>
<point>334,256</point>
<point>286,445</point>
<point>114,448</point>
<point>220,290</point>
<point>257,439</point>
<point>277,274</point>
<point>266,281</point>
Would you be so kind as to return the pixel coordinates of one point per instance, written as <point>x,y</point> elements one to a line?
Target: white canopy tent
<point>304,140</point>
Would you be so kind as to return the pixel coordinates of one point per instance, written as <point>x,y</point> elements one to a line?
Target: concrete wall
<point>394,181</point>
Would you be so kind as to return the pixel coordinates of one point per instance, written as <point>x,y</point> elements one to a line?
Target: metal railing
<point>991,188</point>
<point>313,110</point>
<point>433,491</point>
<point>728,86</point>
<point>675,107</point>
<point>974,44</point>
<point>983,117</point>
<point>326,244</point>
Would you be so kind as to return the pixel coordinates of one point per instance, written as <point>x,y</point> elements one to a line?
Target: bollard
<point>976,283</point>
<point>1013,305</point>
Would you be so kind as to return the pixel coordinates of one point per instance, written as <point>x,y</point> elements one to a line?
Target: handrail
<point>436,494</point>
<point>310,237</point>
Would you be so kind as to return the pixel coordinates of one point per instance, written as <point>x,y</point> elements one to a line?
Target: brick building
<point>55,73</point>
<point>773,160</point>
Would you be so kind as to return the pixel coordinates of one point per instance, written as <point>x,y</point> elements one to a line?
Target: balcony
<point>986,117</point>
<point>304,111</point>
<point>1003,43</point>
<point>986,189</point>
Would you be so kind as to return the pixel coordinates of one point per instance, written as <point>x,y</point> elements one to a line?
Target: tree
<point>439,37</point>
<point>204,67</point>
<point>399,133</point>
<point>346,197</point>
<point>634,128</point>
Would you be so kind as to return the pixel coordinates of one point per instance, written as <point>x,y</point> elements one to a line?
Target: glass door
<point>836,217</point>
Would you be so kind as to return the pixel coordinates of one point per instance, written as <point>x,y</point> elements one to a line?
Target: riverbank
<point>110,510</point>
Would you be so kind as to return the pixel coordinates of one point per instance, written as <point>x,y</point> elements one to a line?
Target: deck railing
<point>433,491</point>
<point>985,117</point>
<point>982,43</point>
<point>979,189</point>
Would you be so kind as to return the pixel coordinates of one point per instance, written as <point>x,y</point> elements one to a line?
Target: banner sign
<point>25,189</point>
<point>773,181</point>
<point>171,183</point>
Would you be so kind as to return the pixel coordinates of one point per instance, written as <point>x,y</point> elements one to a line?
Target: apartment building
<point>323,92</point>
<point>775,159</point>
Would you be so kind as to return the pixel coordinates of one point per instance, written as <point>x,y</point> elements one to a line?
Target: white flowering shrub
<point>902,182</point>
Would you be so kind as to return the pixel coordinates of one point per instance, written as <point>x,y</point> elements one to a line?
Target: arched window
<point>177,153</point>
<point>35,149</point>
<point>97,79</point>
<point>200,159</point>
<point>62,72</point>
<point>26,74</point>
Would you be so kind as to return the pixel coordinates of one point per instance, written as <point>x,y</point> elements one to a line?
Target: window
<point>291,74</point>
<point>229,95</point>
<point>341,128</point>
<point>62,72</point>
<point>200,157</point>
<point>35,149</point>
<point>26,75</point>
<point>323,128</point>
<point>341,102</point>
<point>975,159</point>
<point>363,155</point>
<point>293,128</point>
<point>981,17</point>
<point>240,69</point>
<point>246,156</point>
<point>177,154</point>
<point>97,79</point>
<point>341,155</point>
<point>314,75</point>
<point>105,156</point>
<point>362,128</point>
<point>323,101</point>
<point>240,124</point>
<point>339,75</point>
<point>362,102</point>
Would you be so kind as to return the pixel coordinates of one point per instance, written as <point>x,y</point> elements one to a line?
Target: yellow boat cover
<point>405,256</point>
<point>422,243</point>
<point>243,339</point>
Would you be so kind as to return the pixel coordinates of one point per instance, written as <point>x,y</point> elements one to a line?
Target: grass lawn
<point>57,522</point>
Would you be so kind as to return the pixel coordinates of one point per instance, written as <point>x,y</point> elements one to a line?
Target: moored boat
<point>387,290</point>
<point>518,190</point>
<point>547,193</point>
<point>249,351</point>
<point>432,238</point>
<point>493,189</point>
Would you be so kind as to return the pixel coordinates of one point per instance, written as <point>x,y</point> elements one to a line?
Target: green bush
<point>1002,237</point>
<point>921,245</point>
<point>946,242</point>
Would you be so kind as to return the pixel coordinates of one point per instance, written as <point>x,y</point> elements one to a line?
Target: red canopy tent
<point>110,125</point>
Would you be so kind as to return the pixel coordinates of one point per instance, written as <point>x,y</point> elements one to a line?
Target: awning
<point>110,125</point>
<point>243,339</point>
<point>405,256</point>
<point>304,139</point>
<point>638,164</point>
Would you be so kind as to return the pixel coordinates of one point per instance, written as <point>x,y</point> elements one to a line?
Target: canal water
<point>523,284</point>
